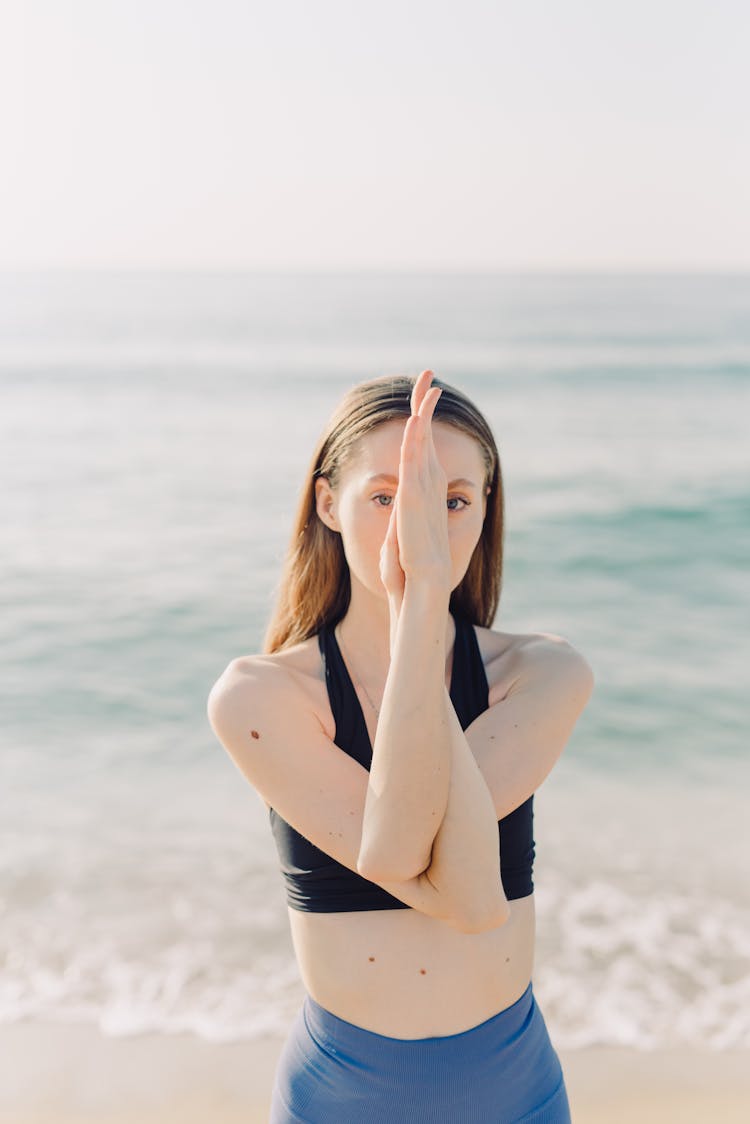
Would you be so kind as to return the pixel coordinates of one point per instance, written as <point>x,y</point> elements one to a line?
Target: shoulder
<point>283,687</point>
<point>508,655</point>
<point>283,673</point>
<point>245,682</point>
<point>278,670</point>
<point>269,692</point>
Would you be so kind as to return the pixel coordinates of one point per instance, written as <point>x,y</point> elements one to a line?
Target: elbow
<point>376,866</point>
<point>482,922</point>
<point>376,871</point>
<point>389,861</point>
<point>366,870</point>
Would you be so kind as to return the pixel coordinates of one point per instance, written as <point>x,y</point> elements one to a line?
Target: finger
<point>410,446</point>
<point>426,445</point>
<point>429,402</point>
<point>419,390</point>
<point>409,435</point>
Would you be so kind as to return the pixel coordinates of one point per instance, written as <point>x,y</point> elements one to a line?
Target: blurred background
<point>215,219</point>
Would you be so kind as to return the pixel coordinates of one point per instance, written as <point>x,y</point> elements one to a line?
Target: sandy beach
<point>57,1074</point>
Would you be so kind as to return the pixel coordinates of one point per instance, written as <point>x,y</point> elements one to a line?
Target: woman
<point>397,741</point>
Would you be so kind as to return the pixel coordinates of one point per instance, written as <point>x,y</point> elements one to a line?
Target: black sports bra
<point>316,882</point>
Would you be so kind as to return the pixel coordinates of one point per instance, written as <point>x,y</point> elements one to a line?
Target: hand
<point>391,574</point>
<point>421,515</point>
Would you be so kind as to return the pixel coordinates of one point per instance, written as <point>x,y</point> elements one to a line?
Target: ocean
<point>154,432</point>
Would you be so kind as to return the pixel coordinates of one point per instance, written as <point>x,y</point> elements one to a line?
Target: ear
<point>325,503</point>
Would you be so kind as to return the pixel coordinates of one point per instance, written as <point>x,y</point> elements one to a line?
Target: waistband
<point>338,1035</point>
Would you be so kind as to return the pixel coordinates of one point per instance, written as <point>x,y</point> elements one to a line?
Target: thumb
<point>392,534</point>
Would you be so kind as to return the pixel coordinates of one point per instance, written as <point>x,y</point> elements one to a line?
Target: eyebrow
<point>394,480</point>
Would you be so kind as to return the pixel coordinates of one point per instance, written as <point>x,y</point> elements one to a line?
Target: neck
<point>364,636</point>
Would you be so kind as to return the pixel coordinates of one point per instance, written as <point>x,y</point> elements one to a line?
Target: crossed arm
<point>435,792</point>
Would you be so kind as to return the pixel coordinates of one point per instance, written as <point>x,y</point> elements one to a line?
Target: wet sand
<point>57,1074</point>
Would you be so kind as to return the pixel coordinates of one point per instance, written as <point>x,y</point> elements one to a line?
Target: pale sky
<point>580,134</point>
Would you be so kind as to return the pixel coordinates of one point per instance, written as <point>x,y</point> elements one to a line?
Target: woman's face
<point>359,509</point>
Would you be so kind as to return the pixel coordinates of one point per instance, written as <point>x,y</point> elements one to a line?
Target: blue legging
<point>503,1071</point>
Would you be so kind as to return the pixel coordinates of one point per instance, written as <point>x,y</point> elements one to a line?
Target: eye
<point>386,496</point>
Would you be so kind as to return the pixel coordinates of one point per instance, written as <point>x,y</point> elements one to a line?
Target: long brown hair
<point>315,586</point>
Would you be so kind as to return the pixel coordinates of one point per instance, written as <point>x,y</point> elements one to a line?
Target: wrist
<point>421,600</point>
<point>428,592</point>
<point>394,609</point>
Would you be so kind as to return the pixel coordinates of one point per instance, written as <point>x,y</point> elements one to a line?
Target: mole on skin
<point>255,733</point>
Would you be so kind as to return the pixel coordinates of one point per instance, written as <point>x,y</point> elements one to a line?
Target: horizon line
<point>635,270</point>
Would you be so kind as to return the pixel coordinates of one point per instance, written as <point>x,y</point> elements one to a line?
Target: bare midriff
<point>404,974</point>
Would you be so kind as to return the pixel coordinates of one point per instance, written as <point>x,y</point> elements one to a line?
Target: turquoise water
<point>154,429</point>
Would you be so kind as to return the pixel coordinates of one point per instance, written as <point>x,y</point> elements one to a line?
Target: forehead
<point>380,451</point>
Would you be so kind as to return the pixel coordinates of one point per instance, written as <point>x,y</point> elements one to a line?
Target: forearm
<point>465,866</point>
<point>407,793</point>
